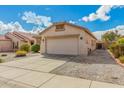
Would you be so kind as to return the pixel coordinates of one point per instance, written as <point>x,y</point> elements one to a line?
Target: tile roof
<point>9,34</point>
<point>3,37</point>
<point>21,35</point>
<point>25,35</point>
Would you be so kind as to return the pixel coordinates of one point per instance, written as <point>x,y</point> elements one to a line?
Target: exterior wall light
<point>81,38</point>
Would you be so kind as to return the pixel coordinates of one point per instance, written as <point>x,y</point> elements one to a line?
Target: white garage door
<point>62,45</point>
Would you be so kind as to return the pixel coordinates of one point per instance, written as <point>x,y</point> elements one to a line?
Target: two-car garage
<point>67,39</point>
<point>62,45</point>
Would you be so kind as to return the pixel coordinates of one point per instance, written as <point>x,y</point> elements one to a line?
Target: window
<point>60,27</point>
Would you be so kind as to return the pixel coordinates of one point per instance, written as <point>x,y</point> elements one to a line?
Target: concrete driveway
<point>34,72</point>
<point>98,66</point>
<point>38,63</point>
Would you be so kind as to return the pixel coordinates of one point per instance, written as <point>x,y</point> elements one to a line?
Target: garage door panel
<point>67,45</point>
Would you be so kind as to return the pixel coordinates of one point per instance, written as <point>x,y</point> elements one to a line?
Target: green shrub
<point>114,48</point>
<point>20,53</point>
<point>121,46</point>
<point>25,47</point>
<point>117,47</point>
<point>121,49</point>
<point>120,41</point>
<point>121,58</point>
<point>35,48</point>
<point>1,61</point>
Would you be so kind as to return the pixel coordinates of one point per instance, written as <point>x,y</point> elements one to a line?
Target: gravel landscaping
<point>10,56</point>
<point>98,66</point>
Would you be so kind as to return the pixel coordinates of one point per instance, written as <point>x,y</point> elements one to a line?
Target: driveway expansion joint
<point>46,81</point>
<point>90,84</point>
<point>24,69</point>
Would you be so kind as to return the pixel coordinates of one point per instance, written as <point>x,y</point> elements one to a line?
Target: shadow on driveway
<point>96,57</point>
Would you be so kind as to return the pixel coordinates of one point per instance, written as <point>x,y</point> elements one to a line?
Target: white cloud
<point>79,20</point>
<point>31,17</point>
<point>47,9</point>
<point>72,22</point>
<point>118,6</point>
<point>119,28</point>
<point>40,23</point>
<point>9,27</point>
<point>98,34</point>
<point>16,26</point>
<point>101,13</point>
<point>36,29</point>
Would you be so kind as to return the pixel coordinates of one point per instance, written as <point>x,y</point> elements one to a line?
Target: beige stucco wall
<point>69,30</point>
<point>90,42</point>
<point>5,45</point>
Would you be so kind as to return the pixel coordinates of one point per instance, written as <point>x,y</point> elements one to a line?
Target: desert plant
<point>25,47</point>
<point>121,58</point>
<point>4,55</point>
<point>114,48</point>
<point>121,49</point>
<point>120,41</point>
<point>35,48</point>
<point>20,53</point>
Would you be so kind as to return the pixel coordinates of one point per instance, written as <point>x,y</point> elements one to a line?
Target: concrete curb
<point>116,60</point>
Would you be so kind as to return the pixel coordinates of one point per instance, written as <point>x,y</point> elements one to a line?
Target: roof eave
<point>85,29</point>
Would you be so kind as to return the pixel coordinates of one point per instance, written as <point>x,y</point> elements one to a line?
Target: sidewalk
<point>69,82</point>
<point>35,72</point>
<point>20,78</point>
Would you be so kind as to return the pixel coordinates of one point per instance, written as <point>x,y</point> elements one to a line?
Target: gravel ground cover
<point>11,56</point>
<point>98,66</point>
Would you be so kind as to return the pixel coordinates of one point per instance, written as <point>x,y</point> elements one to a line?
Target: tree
<point>110,37</point>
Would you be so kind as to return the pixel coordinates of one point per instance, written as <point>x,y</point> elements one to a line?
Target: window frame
<point>61,27</point>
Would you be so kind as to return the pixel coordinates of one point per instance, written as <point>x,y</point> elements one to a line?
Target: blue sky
<point>90,16</point>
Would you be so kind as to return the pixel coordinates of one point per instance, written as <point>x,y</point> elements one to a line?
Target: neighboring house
<point>38,39</point>
<point>68,39</point>
<point>13,40</point>
<point>5,44</point>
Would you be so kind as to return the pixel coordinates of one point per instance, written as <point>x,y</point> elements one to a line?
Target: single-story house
<point>5,44</point>
<point>68,39</point>
<point>12,41</point>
